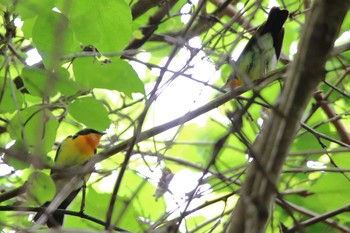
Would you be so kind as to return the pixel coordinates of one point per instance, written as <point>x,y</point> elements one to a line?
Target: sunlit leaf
<point>36,128</point>
<point>14,162</point>
<point>115,75</point>
<point>65,85</point>
<point>90,112</point>
<point>107,26</point>
<point>53,38</point>
<point>30,8</point>
<point>331,191</point>
<point>11,99</point>
<point>41,188</point>
<point>39,82</point>
<point>200,150</point>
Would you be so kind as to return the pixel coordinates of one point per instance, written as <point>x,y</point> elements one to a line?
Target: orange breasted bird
<point>262,51</point>
<point>74,151</point>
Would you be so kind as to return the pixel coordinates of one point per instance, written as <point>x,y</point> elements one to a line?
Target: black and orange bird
<point>262,51</point>
<point>74,151</point>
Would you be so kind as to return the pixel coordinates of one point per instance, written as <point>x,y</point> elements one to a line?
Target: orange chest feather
<point>78,150</point>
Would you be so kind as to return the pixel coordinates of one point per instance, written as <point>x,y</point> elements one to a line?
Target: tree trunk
<point>269,151</point>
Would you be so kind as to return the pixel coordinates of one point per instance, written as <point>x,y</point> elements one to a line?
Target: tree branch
<point>313,215</point>
<point>324,217</point>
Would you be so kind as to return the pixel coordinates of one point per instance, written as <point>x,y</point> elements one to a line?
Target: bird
<point>262,51</point>
<point>74,151</point>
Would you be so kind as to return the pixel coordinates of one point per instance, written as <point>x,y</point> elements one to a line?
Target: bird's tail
<point>55,219</point>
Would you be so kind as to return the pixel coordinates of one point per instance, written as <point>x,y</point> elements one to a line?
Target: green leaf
<point>143,201</point>
<point>39,82</point>
<point>305,140</point>
<point>129,218</point>
<point>200,152</point>
<point>341,159</point>
<point>30,8</point>
<point>53,38</point>
<point>65,84</point>
<point>41,188</point>
<point>90,112</point>
<point>193,222</point>
<point>146,202</point>
<point>35,128</point>
<point>116,75</point>
<point>16,163</point>
<point>27,27</point>
<point>107,26</point>
<point>96,204</point>
<point>332,191</point>
<point>271,93</point>
<point>11,99</point>
<point>6,3</point>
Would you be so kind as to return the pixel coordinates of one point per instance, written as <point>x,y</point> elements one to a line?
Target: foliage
<point>130,68</point>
